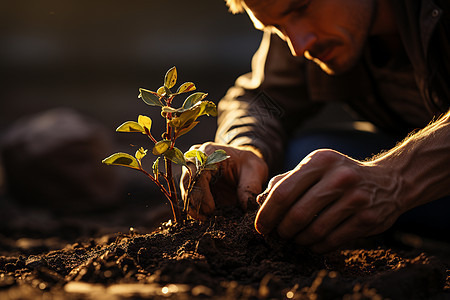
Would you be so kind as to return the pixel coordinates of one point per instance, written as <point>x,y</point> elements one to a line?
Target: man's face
<point>332,33</point>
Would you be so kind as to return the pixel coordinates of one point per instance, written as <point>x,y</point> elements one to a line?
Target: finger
<point>185,178</point>
<point>324,203</point>
<point>283,195</point>
<point>305,210</point>
<point>347,205</point>
<point>275,180</point>
<point>195,213</point>
<point>208,148</point>
<point>200,198</point>
<point>349,230</point>
<point>263,196</point>
<point>321,226</point>
<point>250,185</point>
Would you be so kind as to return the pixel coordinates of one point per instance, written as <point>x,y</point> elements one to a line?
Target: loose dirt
<point>223,258</point>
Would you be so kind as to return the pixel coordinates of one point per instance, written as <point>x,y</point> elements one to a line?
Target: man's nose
<point>300,41</point>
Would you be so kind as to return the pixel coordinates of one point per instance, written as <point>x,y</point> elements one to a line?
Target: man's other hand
<point>329,199</point>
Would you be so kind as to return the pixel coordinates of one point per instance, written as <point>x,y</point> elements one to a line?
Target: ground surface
<point>223,258</point>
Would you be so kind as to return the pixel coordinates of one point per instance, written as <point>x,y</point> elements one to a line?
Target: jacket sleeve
<point>266,105</point>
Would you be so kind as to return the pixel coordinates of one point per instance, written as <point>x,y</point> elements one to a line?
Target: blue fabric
<point>430,219</point>
<point>354,143</point>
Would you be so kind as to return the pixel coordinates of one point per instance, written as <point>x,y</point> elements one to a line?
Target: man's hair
<point>235,6</point>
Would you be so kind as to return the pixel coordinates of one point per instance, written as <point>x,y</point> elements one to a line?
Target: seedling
<point>179,121</point>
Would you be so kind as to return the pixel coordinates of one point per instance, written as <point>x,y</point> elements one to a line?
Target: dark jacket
<point>399,95</point>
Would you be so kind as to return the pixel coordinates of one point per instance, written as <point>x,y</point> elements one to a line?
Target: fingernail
<point>262,197</point>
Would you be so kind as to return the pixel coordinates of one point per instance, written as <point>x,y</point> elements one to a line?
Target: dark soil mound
<point>224,258</point>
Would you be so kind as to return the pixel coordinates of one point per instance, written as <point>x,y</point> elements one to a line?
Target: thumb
<point>262,197</point>
<point>249,186</point>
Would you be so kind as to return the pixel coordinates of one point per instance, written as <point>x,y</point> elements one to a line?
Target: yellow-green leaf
<point>130,126</point>
<point>185,130</point>
<point>176,156</point>
<point>161,91</point>
<point>161,147</point>
<point>149,97</point>
<point>191,153</point>
<point>186,87</point>
<point>185,118</point>
<point>168,109</point>
<point>145,122</point>
<point>122,159</point>
<point>193,99</point>
<point>202,157</point>
<point>208,108</point>
<point>155,168</point>
<point>140,153</point>
<point>171,78</point>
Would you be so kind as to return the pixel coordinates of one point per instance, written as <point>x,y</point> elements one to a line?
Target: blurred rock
<point>53,160</point>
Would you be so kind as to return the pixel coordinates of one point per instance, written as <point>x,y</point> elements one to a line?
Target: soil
<point>223,258</point>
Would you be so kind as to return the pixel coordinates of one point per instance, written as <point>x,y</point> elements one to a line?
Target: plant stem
<point>169,173</point>
<point>152,138</point>
<point>156,182</point>
<point>192,182</point>
<point>172,191</point>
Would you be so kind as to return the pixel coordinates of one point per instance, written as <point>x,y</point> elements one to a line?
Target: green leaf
<point>155,168</point>
<point>149,97</point>
<point>161,91</point>
<point>191,153</point>
<point>130,126</point>
<point>176,156</point>
<point>140,153</point>
<point>212,167</point>
<point>216,157</point>
<point>122,159</point>
<point>161,147</point>
<point>186,118</point>
<point>145,122</point>
<point>171,78</point>
<point>193,99</point>
<point>180,131</point>
<point>168,109</point>
<point>186,87</point>
<point>202,157</point>
<point>208,108</point>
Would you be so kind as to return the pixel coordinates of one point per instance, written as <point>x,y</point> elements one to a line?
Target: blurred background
<point>91,57</point>
<point>94,55</point>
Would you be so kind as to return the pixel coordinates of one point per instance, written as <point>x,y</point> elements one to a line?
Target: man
<point>389,61</point>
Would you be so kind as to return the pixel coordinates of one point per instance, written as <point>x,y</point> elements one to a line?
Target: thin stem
<point>174,205</point>
<point>172,190</point>
<point>169,174</point>
<point>151,137</point>
<point>156,182</point>
<point>192,182</point>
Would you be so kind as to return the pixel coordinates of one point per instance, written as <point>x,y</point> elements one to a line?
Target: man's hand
<point>238,180</point>
<point>330,199</point>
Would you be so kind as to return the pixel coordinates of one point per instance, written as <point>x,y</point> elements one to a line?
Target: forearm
<point>241,125</point>
<point>420,165</point>
<point>264,105</point>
